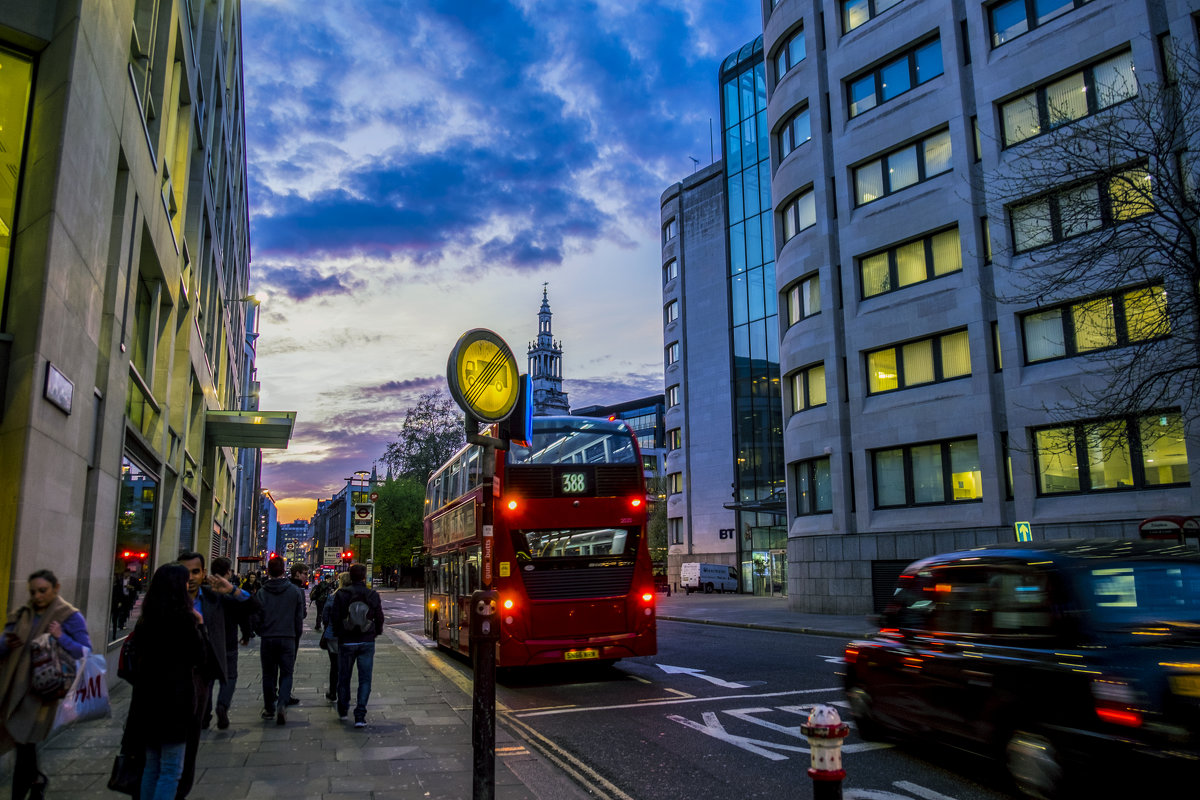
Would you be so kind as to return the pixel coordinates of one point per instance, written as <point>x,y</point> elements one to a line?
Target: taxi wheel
<point>1034,764</point>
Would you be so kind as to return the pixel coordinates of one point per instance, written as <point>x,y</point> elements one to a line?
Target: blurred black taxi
<point>1065,660</point>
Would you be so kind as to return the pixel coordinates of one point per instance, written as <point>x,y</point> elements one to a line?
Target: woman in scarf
<point>25,716</point>
<point>169,647</point>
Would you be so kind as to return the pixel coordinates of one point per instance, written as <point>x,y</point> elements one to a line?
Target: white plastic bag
<point>88,698</point>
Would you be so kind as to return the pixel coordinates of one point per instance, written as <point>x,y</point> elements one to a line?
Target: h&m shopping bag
<point>88,698</point>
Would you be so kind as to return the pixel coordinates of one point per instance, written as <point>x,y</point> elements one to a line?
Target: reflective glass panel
<point>902,168</point>
<point>1047,10</point>
<point>889,478</point>
<point>1058,463</point>
<point>16,74</point>
<point>918,362</point>
<point>927,474</point>
<point>1032,225</point>
<point>137,524</point>
<point>1079,210</point>
<point>894,79</point>
<point>1044,335</point>
<point>1108,456</point>
<point>1164,453</point>
<point>798,393</point>
<point>862,95</point>
<point>1008,20</point>
<point>811,289</point>
<point>824,488</point>
<point>929,61</point>
<point>882,375</point>
<point>854,13</point>
<point>1095,326</point>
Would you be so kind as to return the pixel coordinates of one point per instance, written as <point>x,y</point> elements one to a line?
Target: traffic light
<point>347,556</point>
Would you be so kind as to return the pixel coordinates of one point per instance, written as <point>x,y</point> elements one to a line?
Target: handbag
<point>52,670</point>
<point>88,698</point>
<point>126,775</point>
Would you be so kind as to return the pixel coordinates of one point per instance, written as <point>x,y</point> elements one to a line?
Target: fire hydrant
<point>825,731</point>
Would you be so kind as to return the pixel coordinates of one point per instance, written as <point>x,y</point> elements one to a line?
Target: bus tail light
<point>647,597</point>
<point>636,502</point>
<point>508,604</point>
<point>511,505</point>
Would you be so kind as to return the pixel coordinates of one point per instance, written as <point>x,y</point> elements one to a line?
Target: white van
<point>708,578</point>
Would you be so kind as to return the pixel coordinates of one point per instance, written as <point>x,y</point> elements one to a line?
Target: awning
<point>257,429</point>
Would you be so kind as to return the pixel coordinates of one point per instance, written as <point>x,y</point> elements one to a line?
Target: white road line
<point>671,702</point>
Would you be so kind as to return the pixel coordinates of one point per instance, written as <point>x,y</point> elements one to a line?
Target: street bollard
<point>825,731</point>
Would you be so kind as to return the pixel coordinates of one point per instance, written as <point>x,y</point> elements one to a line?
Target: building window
<point>1066,99</point>
<point>1128,317</point>
<point>919,65</point>
<point>1011,18</point>
<point>799,213</point>
<point>814,488</point>
<point>674,439</point>
<point>804,298</point>
<point>670,271</point>
<point>790,54</point>
<point>673,396</point>
<point>914,262</point>
<point>808,388</point>
<point>670,312</point>
<point>1134,453</point>
<point>856,12</point>
<point>794,132</point>
<point>675,483</point>
<point>670,230</point>
<point>16,80</point>
<point>928,474</point>
<point>937,358</point>
<point>672,353</point>
<point>901,168</point>
<point>1082,208</point>
<point>675,529</point>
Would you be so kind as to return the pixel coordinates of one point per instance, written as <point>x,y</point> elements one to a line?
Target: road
<point>715,714</point>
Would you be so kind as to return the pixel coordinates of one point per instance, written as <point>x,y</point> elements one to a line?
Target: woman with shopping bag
<point>27,716</point>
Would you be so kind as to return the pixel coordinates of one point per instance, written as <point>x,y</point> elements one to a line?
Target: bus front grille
<point>575,584</point>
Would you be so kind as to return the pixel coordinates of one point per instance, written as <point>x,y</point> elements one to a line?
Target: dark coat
<point>213,608</point>
<point>281,609</point>
<point>341,605</point>
<point>167,656</point>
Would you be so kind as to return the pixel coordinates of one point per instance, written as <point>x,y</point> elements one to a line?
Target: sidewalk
<point>418,740</point>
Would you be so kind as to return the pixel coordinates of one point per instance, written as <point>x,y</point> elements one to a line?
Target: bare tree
<point>433,430</point>
<point>1099,186</point>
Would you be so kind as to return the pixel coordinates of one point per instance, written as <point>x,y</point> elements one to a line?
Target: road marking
<point>699,673</point>
<point>879,794</point>
<point>711,726</point>
<point>921,791</point>
<point>741,697</point>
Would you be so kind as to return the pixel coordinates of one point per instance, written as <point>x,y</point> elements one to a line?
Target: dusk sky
<point>418,169</point>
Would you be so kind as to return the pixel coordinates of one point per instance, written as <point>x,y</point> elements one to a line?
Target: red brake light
<point>512,505</point>
<point>508,603</point>
<point>851,655</point>
<point>1120,716</point>
<point>647,597</point>
<point>635,502</point>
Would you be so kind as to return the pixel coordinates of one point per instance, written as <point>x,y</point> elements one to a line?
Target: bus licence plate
<point>1187,685</point>
<point>580,655</point>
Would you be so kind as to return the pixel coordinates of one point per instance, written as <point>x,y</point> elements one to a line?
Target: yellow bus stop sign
<point>482,373</point>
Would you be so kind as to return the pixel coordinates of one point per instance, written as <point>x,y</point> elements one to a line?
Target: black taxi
<point>1065,660</point>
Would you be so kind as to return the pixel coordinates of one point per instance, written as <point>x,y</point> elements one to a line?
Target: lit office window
<point>794,132</point>
<point>912,262</point>
<point>808,388</point>
<point>856,12</point>
<point>1147,451</point>
<point>901,168</point>
<point>674,439</point>
<point>1124,318</point>
<point>1066,99</point>
<point>919,65</point>
<point>931,360</point>
<point>799,213</point>
<point>16,80</point>
<point>1083,207</point>
<point>675,483</point>
<point>928,474</point>
<point>673,396</point>
<point>804,298</point>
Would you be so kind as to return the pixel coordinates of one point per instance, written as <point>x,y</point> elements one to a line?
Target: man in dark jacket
<point>279,623</point>
<point>210,594</point>
<point>356,634</point>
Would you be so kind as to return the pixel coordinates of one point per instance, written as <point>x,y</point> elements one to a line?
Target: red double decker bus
<point>570,559</point>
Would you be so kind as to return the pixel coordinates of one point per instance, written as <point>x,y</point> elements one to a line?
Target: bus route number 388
<point>574,482</point>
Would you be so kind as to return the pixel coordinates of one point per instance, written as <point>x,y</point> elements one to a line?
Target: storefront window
<point>136,526</point>
<point>16,73</point>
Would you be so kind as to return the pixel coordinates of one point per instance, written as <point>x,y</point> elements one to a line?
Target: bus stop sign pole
<point>485,632</point>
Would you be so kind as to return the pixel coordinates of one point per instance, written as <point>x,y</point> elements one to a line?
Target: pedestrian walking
<point>169,657</point>
<point>329,642</point>
<point>357,618</point>
<point>237,619</point>
<point>209,595</point>
<point>320,595</point>
<point>279,622</point>
<point>26,717</point>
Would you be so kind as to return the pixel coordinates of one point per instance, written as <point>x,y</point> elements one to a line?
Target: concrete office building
<point>125,254</point>
<point>914,399</point>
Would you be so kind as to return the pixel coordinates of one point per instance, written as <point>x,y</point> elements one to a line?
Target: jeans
<point>164,765</point>
<point>278,662</point>
<point>362,654</point>
<point>332,691</point>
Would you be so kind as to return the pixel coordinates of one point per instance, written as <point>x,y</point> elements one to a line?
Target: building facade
<point>916,402</point>
<point>125,254</point>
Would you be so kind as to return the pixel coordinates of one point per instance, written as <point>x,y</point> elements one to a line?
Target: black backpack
<point>358,616</point>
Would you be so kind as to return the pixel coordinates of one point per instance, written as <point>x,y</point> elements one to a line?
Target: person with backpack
<point>26,714</point>
<point>357,618</point>
<point>329,642</point>
<point>320,595</point>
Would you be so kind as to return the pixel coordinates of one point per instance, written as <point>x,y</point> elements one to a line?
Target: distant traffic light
<point>347,556</point>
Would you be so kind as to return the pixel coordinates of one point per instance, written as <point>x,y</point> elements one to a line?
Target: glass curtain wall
<point>757,406</point>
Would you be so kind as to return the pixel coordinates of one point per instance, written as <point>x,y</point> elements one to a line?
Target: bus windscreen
<point>576,441</point>
<point>573,542</point>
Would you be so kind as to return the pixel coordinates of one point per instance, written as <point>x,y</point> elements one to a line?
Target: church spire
<point>545,366</point>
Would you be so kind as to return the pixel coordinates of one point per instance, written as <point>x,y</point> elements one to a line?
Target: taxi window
<point>1021,603</point>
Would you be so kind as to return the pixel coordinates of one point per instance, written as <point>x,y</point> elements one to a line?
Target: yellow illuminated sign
<point>482,373</point>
